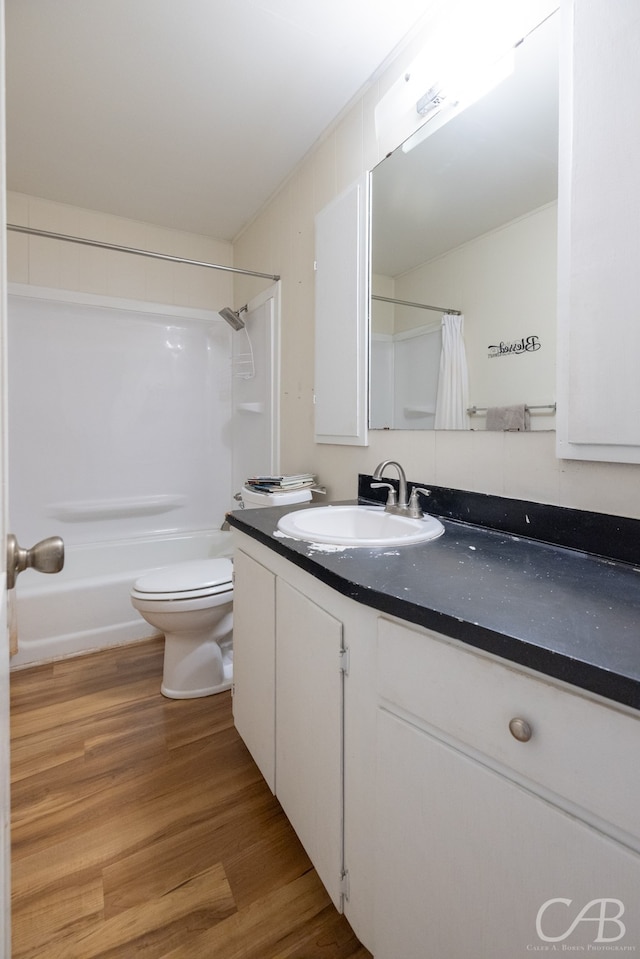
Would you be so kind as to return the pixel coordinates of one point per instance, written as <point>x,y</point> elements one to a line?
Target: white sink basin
<point>365,526</point>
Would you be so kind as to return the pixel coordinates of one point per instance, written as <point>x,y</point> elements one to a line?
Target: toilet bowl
<point>192,604</point>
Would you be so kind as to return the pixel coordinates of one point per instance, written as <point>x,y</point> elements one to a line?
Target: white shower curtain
<point>452,398</point>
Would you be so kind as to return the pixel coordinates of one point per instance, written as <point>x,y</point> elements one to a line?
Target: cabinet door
<point>254,649</point>
<point>342,318</point>
<point>599,233</point>
<point>309,730</point>
<point>468,862</point>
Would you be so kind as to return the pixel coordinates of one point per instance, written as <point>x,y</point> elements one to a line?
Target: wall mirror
<point>465,220</point>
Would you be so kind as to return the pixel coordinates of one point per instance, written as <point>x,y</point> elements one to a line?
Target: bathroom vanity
<point>452,728</point>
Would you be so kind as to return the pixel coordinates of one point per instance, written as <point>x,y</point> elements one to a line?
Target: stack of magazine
<point>281,484</point>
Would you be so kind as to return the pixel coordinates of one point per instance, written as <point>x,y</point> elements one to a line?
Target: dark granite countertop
<point>566,613</point>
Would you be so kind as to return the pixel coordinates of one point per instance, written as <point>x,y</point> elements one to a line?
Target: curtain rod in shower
<point>421,306</point>
<point>129,249</point>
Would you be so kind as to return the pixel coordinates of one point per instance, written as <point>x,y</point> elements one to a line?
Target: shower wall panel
<point>119,419</point>
<point>255,393</point>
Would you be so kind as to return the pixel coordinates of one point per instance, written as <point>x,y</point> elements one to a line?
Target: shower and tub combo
<point>148,423</point>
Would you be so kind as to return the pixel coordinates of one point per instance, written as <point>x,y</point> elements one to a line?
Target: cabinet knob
<point>520,730</point>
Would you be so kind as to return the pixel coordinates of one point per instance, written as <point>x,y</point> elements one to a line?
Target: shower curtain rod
<point>129,249</point>
<point>421,306</point>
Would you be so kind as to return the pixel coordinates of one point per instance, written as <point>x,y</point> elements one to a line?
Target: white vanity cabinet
<point>435,829</point>
<point>476,831</point>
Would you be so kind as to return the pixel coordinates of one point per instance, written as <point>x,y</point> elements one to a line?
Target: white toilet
<point>192,604</point>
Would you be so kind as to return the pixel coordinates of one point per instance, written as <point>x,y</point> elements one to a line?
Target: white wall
<point>510,464</point>
<point>68,266</point>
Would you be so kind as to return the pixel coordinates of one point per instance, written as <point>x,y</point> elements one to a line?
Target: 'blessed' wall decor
<point>528,344</point>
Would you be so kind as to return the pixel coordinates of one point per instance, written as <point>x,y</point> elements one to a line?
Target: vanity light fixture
<point>441,99</point>
<point>465,44</point>
<point>432,101</point>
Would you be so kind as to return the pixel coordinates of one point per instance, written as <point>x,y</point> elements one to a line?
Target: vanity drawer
<point>579,748</point>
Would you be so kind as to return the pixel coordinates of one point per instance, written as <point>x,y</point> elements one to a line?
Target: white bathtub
<point>87,606</point>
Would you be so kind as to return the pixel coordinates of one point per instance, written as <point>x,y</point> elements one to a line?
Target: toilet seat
<point>192,604</point>
<point>191,580</point>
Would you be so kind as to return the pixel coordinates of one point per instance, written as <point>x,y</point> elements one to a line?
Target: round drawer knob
<point>520,730</point>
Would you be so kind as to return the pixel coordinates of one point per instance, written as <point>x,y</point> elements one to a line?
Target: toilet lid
<point>198,574</point>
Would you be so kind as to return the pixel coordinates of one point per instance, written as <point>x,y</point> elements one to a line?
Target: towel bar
<point>472,410</point>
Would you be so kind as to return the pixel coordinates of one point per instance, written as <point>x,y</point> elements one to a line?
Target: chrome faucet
<point>394,505</point>
<point>399,504</point>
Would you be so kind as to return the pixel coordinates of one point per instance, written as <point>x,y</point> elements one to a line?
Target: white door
<point>5,914</point>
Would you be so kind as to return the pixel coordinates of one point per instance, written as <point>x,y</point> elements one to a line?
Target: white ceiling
<point>184,113</point>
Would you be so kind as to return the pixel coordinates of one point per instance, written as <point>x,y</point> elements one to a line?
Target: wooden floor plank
<point>45,751</point>
<point>46,917</point>
<point>158,866</point>
<point>261,929</point>
<point>112,824</point>
<point>152,928</point>
<point>79,709</point>
<point>144,794</point>
<point>276,857</point>
<point>141,826</point>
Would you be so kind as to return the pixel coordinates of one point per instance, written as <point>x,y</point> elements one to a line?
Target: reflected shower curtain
<point>452,398</point>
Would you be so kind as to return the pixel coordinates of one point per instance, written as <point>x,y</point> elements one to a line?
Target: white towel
<point>508,418</point>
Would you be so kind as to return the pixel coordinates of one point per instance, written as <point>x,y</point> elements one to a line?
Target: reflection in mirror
<point>464,221</point>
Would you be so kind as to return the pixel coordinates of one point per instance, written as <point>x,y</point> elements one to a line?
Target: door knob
<point>47,556</point>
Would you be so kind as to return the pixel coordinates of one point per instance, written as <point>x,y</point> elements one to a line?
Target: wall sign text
<point>528,344</point>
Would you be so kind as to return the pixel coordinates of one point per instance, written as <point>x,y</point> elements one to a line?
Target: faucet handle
<point>392,496</point>
<point>415,510</point>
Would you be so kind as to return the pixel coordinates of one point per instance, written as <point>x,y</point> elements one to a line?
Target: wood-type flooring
<point>141,826</point>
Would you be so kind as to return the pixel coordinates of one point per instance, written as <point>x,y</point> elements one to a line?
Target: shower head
<point>232,317</point>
